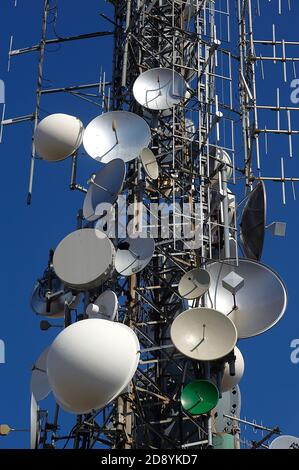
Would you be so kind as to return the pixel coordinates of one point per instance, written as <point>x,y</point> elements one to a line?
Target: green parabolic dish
<point>199,397</point>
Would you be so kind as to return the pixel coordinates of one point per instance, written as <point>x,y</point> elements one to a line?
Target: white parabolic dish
<point>159,88</point>
<point>230,381</point>
<point>34,423</point>
<point>39,384</point>
<point>117,134</point>
<point>149,163</point>
<point>105,306</point>
<point>285,442</point>
<point>58,136</point>
<point>84,259</point>
<point>90,363</point>
<point>203,334</point>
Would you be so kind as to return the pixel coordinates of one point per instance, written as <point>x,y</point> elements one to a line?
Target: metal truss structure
<point>190,210</point>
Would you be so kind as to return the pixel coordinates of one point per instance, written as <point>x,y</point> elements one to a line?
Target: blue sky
<point>270,386</point>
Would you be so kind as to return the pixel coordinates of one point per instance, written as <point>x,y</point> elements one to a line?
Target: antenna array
<point>155,259</point>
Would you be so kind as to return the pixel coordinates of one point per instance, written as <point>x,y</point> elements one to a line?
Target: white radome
<point>90,363</point>
<point>230,381</point>
<point>58,136</point>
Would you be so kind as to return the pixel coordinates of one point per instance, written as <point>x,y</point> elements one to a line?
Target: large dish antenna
<point>256,310</point>
<point>253,222</point>
<point>90,363</point>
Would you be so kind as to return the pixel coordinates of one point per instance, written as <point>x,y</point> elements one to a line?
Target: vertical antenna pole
<point>38,95</point>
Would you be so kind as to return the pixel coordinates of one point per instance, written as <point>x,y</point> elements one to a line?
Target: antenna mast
<point>170,285</point>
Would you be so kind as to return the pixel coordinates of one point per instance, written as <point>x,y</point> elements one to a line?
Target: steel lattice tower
<point>190,209</point>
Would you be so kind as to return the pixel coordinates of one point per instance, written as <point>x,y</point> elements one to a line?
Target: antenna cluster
<point>158,281</point>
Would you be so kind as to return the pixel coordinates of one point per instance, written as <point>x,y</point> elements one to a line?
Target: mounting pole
<point>38,94</point>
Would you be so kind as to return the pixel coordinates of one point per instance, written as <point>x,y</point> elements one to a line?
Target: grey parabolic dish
<point>261,301</point>
<point>84,259</point>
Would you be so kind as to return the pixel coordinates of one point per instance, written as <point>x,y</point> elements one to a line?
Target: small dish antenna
<point>117,134</point>
<point>159,88</point>
<point>105,306</point>
<point>39,385</point>
<point>34,424</point>
<point>104,188</point>
<point>229,404</point>
<point>149,163</point>
<point>199,397</point>
<point>133,255</point>
<point>285,442</point>
<point>230,381</point>
<point>50,303</point>
<point>58,136</point>
<point>194,283</point>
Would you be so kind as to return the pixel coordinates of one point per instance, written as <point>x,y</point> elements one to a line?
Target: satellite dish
<point>229,404</point>
<point>58,136</point>
<point>117,134</point>
<point>104,188</point>
<point>257,309</point>
<point>38,300</point>
<point>219,155</point>
<point>34,424</point>
<point>230,381</point>
<point>285,442</point>
<point>105,306</point>
<point>253,222</point>
<point>133,255</point>
<point>39,385</point>
<point>84,259</point>
<point>203,334</point>
<point>159,88</point>
<point>199,397</point>
<point>90,363</point>
<point>149,163</point>
<point>194,283</point>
